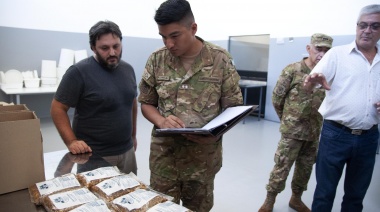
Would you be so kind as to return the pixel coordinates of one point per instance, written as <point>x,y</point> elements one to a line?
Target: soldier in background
<point>300,126</point>
<point>187,83</point>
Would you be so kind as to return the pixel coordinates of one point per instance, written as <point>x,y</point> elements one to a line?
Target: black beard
<point>106,65</point>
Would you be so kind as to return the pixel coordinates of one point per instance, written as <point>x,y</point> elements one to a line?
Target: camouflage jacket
<point>297,109</point>
<point>195,96</point>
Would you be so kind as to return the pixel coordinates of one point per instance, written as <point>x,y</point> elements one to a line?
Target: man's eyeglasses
<point>374,26</point>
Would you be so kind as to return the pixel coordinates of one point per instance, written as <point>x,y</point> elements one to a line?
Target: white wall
<point>217,19</point>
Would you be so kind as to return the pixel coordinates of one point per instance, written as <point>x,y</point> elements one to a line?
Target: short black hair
<point>102,28</point>
<point>172,11</point>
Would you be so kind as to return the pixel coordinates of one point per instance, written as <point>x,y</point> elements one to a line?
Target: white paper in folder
<point>66,58</point>
<point>80,55</point>
<point>49,68</point>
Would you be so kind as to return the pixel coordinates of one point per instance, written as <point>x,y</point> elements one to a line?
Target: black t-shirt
<point>103,102</point>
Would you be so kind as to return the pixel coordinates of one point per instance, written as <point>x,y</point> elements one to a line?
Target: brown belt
<point>352,131</point>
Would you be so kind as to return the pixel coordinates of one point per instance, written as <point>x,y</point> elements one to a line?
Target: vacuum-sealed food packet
<point>117,186</point>
<point>55,185</point>
<point>168,206</point>
<point>68,200</point>
<point>139,200</point>
<point>94,206</point>
<point>96,176</point>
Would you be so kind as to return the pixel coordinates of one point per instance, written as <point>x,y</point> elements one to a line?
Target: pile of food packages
<point>103,189</point>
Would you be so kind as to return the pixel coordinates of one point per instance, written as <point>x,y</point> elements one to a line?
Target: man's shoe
<point>297,204</point>
<point>268,203</point>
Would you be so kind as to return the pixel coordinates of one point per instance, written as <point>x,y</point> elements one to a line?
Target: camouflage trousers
<point>195,195</point>
<point>290,151</point>
<point>185,170</point>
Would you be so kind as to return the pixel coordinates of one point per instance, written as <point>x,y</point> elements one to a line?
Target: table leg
<point>18,99</point>
<point>261,95</point>
<point>245,100</point>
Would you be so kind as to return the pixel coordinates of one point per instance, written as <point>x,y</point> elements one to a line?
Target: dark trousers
<point>339,148</point>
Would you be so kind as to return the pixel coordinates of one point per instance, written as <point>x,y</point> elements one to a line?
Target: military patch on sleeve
<point>279,90</point>
<point>144,88</point>
<point>146,75</point>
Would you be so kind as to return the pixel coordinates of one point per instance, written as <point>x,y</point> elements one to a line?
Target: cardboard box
<point>21,153</point>
<point>13,108</point>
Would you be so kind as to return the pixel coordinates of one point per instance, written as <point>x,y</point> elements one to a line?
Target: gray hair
<point>369,9</point>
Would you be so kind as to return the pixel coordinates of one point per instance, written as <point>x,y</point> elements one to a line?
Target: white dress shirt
<point>355,87</point>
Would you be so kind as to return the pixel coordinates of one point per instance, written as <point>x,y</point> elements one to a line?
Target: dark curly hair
<point>102,28</point>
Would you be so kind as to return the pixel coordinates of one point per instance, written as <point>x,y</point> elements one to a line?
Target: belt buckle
<point>356,132</point>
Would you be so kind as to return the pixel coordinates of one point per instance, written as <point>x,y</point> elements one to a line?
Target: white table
<point>17,92</point>
<point>245,84</point>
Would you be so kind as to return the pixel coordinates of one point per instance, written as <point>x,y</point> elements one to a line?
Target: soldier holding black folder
<point>187,83</point>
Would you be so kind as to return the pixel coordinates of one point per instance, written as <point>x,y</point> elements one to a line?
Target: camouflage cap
<point>321,40</point>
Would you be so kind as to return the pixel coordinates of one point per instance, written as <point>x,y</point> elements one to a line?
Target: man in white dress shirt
<point>349,137</point>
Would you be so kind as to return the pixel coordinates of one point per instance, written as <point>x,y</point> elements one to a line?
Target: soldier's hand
<point>201,139</point>
<point>172,122</point>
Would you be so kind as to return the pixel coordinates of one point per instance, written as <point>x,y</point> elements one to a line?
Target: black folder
<point>218,126</point>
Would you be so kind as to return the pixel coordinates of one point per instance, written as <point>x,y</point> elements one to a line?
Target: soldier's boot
<point>269,202</point>
<point>296,202</point>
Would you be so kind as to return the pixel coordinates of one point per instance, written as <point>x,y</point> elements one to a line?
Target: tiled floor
<point>248,158</point>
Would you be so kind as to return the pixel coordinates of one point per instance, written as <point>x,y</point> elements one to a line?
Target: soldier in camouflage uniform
<point>300,126</point>
<point>187,83</point>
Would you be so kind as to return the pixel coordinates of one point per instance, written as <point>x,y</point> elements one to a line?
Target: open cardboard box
<point>13,108</point>
<point>21,152</point>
